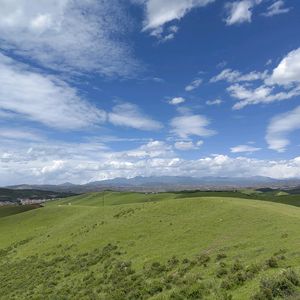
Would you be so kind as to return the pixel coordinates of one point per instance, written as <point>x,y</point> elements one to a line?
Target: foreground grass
<point>189,248</point>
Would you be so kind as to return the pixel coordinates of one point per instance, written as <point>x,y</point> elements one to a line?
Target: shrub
<point>221,256</point>
<point>223,296</point>
<point>252,270</point>
<point>281,285</point>
<point>232,281</point>
<point>237,266</point>
<point>264,294</point>
<point>173,261</point>
<point>185,261</point>
<point>272,262</point>
<point>155,288</point>
<point>176,296</point>
<point>221,272</point>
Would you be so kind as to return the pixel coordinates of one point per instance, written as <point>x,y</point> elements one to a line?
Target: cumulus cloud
<point>176,101</point>
<point>276,9</point>
<point>187,145</point>
<point>46,31</point>
<point>59,170</point>
<point>244,148</point>
<point>288,70</point>
<point>195,84</point>
<point>216,102</point>
<point>43,98</point>
<point>155,145</point>
<point>184,145</point>
<point>45,162</point>
<point>130,115</point>
<point>185,126</point>
<point>279,127</point>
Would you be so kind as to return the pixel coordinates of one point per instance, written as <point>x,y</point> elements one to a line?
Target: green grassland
<point>118,198</point>
<point>184,248</point>
<point>111,198</point>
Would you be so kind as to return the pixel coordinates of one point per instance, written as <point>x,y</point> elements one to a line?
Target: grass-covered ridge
<point>188,248</point>
<point>117,198</point>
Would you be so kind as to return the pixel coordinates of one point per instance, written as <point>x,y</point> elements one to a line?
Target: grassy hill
<point>118,198</point>
<point>111,198</point>
<point>185,248</point>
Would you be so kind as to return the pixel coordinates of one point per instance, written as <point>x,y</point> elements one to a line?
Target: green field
<point>184,248</point>
<point>118,198</point>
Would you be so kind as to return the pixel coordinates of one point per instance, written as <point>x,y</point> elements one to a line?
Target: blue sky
<point>98,89</point>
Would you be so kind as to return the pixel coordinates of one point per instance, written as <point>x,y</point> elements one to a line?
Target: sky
<point>98,89</point>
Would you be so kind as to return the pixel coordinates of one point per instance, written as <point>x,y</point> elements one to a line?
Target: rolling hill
<point>184,248</point>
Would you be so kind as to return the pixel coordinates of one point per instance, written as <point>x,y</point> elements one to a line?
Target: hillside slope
<point>210,248</point>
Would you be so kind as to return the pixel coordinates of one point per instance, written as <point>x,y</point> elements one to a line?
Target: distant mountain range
<point>181,180</point>
<point>155,181</point>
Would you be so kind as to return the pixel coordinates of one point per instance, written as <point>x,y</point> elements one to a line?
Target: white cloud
<point>56,167</point>
<point>244,148</point>
<point>45,99</point>
<point>288,70</point>
<point>129,115</point>
<point>222,64</point>
<point>174,28</point>
<point>155,79</point>
<point>286,74</point>
<point>20,134</point>
<point>159,12</point>
<point>239,11</point>
<point>280,126</point>
<point>155,145</point>
<point>184,146</point>
<point>176,101</point>
<point>236,76</point>
<point>168,37</point>
<point>187,145</point>
<point>158,80</point>
<point>216,102</point>
<point>57,162</point>
<point>149,150</point>
<point>226,74</point>
<point>184,126</point>
<point>276,9</point>
<point>261,94</point>
<point>195,84</point>
<point>269,62</point>
<point>69,36</point>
